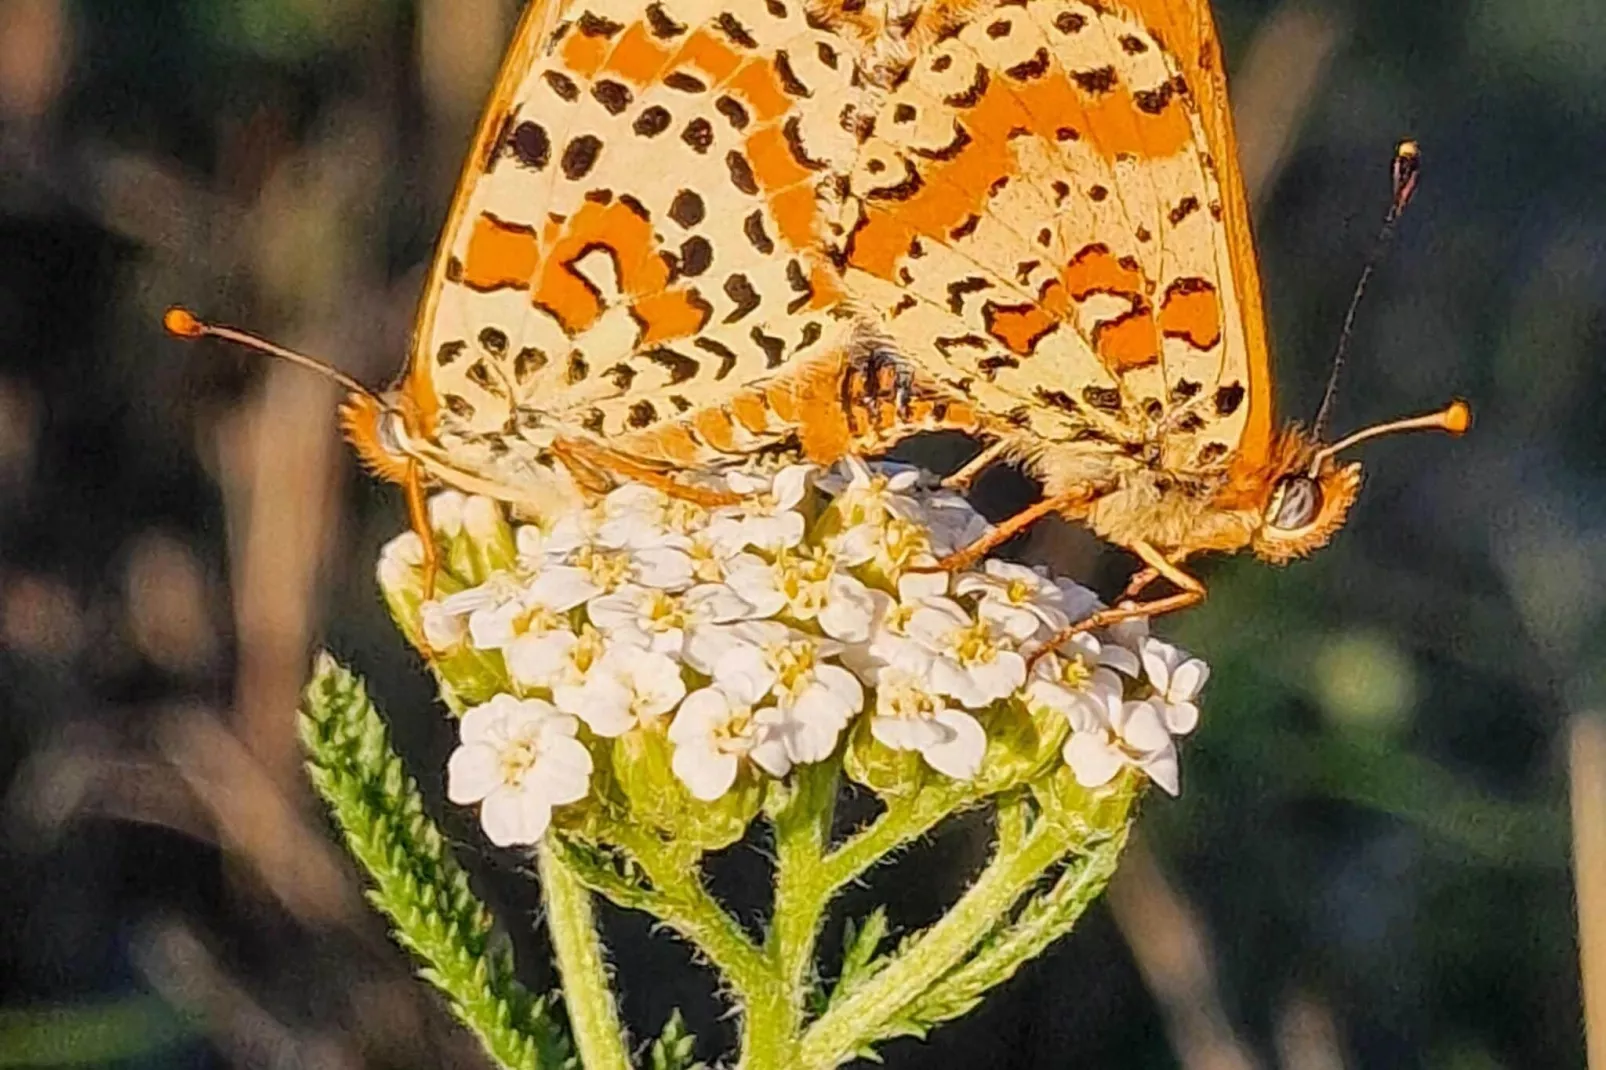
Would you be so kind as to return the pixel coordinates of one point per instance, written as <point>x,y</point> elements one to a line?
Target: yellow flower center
<point>907,702</point>
<point>973,644</point>
<point>793,664</point>
<point>606,570</point>
<point>517,759</point>
<point>664,612</point>
<point>731,737</point>
<point>1019,592</point>
<point>1075,673</point>
<point>586,650</point>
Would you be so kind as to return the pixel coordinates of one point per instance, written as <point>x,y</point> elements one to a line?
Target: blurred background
<point>1371,865</point>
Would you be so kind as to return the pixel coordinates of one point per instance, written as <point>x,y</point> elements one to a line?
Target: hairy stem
<point>598,1033</point>
<point>863,1015</point>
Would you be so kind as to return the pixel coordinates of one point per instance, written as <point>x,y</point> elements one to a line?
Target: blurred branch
<point>1307,1037</point>
<point>1414,789</point>
<point>1174,954</point>
<point>1274,85</point>
<point>178,965</point>
<point>1588,767</point>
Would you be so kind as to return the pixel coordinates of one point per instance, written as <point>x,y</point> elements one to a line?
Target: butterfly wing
<point>637,236</point>
<point>1045,215</point>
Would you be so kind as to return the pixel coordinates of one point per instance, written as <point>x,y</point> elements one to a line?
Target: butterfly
<point>695,230</point>
<point>1045,218</point>
<point>633,281</point>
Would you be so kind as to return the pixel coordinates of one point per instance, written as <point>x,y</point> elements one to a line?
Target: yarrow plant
<point>650,680</point>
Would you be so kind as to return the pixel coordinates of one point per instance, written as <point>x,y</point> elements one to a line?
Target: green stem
<point>680,901</point>
<point>802,827</point>
<point>906,819</point>
<point>598,1033</point>
<point>1046,919</point>
<point>860,1018</point>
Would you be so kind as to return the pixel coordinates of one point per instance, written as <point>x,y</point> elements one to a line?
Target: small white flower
<point>910,716</point>
<point>1020,600</point>
<point>628,688</point>
<point>489,614</point>
<point>869,494</point>
<point>446,513</point>
<point>891,547</point>
<point>715,730</point>
<point>972,659</point>
<point>592,571</point>
<point>805,586</point>
<point>768,519</point>
<point>518,758</point>
<point>657,620</point>
<point>636,516</point>
<point>1178,678</point>
<point>1073,686</point>
<point>1129,733</point>
<point>889,641</point>
<point>763,657</point>
<point>400,560</point>
<point>558,661</point>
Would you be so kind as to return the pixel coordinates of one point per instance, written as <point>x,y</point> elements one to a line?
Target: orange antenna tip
<point>180,322</point>
<point>1458,417</point>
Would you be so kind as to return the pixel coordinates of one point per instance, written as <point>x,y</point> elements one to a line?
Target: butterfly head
<point>375,425</point>
<point>1307,501</point>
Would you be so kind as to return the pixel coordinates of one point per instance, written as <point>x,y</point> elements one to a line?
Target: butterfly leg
<point>1190,592</point>
<point>965,475</point>
<point>418,517</point>
<point>1007,529</point>
<point>579,455</point>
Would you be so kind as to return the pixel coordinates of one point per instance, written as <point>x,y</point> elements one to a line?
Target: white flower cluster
<point>754,636</point>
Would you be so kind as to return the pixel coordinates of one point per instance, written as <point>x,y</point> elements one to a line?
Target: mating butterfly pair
<point>695,230</point>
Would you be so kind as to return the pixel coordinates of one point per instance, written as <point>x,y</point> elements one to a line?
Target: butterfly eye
<point>391,430</point>
<point>1295,504</point>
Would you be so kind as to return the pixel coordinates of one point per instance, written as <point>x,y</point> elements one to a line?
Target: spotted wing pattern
<point>638,240</point>
<point>1035,219</point>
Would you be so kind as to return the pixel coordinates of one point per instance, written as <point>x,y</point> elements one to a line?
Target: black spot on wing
<point>958,289</point>
<point>662,25</point>
<point>955,146</point>
<point>740,290</point>
<point>596,26</point>
<point>726,355</point>
<point>687,209</point>
<point>561,84</point>
<point>449,352</point>
<point>970,97</point>
<point>494,341</point>
<point>790,82</point>
<point>732,110</point>
<point>1030,69</point>
<point>1097,81</point>
<point>753,228</point>
<point>699,134</point>
<point>531,146</point>
<point>774,348</point>
<point>679,366</point>
<point>733,30</point>
<point>792,131</point>
<point>642,414</point>
<point>652,121</point>
<point>1103,398</point>
<point>1228,398</point>
<point>685,83</point>
<point>580,156</point>
<point>741,173</point>
<point>911,184</point>
<point>614,96</point>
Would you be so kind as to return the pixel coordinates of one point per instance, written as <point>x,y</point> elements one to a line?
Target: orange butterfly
<point>1045,218</point>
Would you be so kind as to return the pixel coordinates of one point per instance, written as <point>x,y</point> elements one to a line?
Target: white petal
<point>997,678</point>
<point>442,629</point>
<point>907,733</point>
<point>511,818</point>
<point>663,567</point>
<point>843,685</point>
<point>473,772</point>
<point>703,711</point>
<point>769,754</point>
<point>1017,622</point>
<point>917,586</point>
<point>1181,717</point>
<point>446,512</point>
<point>717,603</point>
<point>744,670</point>
<point>753,580</point>
<point>562,587</point>
<point>849,612</point>
<point>620,609</point>
<point>564,770</point>
<point>790,484</point>
<point>1120,659</point>
<point>706,772</point>
<point>1093,762</point>
<point>492,628</point>
<point>486,723</point>
<point>959,755</point>
<point>1188,680</point>
<point>604,704</point>
<point>657,683</point>
<point>1143,727</point>
<point>1163,770</point>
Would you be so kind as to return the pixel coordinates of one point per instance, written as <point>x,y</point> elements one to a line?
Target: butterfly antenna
<point>183,324</point>
<point>1406,170</point>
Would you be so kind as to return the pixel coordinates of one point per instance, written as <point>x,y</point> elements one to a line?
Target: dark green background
<point>1369,865</point>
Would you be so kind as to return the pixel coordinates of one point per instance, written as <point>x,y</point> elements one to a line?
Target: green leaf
<point>417,883</point>
<point>675,1048</point>
<point>859,962</point>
